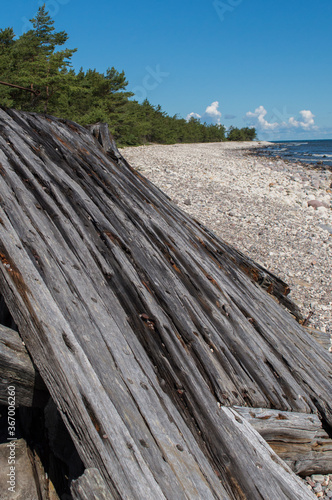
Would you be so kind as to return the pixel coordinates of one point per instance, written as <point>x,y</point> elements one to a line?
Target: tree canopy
<point>39,60</point>
<point>241,134</point>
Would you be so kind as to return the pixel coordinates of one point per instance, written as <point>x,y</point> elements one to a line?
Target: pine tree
<point>32,61</point>
<point>44,32</point>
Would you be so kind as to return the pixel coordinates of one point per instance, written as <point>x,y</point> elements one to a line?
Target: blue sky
<point>255,63</point>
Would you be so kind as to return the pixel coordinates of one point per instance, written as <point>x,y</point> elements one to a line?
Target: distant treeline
<point>34,60</point>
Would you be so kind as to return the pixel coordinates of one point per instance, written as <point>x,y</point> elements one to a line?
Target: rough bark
<point>142,324</point>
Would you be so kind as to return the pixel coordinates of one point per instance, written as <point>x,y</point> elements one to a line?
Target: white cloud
<point>211,114</point>
<point>258,120</point>
<point>193,115</point>
<point>307,123</point>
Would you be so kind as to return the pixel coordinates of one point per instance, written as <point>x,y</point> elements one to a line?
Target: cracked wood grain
<point>142,324</point>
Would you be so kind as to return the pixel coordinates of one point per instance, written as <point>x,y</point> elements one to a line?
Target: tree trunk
<point>143,324</point>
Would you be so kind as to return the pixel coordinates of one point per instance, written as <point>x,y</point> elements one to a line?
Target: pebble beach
<point>278,213</point>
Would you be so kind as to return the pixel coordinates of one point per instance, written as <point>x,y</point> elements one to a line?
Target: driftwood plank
<point>90,486</point>
<point>324,339</point>
<point>17,370</point>
<point>297,438</point>
<point>142,325</point>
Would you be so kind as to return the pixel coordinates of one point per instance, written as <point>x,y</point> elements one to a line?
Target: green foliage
<point>6,45</point>
<point>43,32</point>
<point>32,61</point>
<point>38,61</point>
<point>241,134</point>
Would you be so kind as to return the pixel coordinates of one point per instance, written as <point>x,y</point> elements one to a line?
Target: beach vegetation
<point>38,60</point>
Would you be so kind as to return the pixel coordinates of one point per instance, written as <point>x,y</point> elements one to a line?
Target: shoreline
<point>318,165</point>
<point>257,204</point>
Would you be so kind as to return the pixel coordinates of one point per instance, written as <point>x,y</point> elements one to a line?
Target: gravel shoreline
<point>257,204</point>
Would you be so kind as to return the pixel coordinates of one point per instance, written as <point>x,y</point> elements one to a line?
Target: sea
<point>316,152</point>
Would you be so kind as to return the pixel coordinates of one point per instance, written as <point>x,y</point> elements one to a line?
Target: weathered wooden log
<point>264,278</point>
<point>101,133</point>
<point>90,486</point>
<point>324,339</point>
<point>142,325</point>
<point>17,371</point>
<point>298,438</point>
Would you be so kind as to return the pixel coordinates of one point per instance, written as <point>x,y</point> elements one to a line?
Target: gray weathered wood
<point>142,325</point>
<point>297,438</point>
<point>18,371</point>
<point>264,278</point>
<point>101,133</point>
<point>90,486</point>
<point>324,339</point>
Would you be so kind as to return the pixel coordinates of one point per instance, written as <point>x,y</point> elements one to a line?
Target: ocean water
<point>309,152</point>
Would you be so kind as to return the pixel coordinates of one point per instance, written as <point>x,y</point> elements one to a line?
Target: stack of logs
<point>170,357</point>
